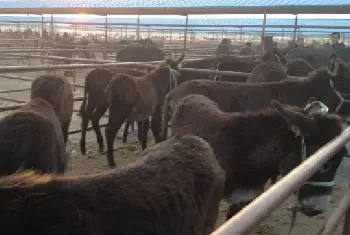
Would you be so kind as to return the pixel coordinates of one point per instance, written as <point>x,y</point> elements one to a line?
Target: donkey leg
<point>132,126</point>
<point>145,129</point>
<point>346,226</point>
<point>65,128</point>
<point>115,121</point>
<point>125,133</point>
<point>156,122</point>
<point>95,121</point>
<point>86,116</point>
<point>235,208</point>
<point>139,131</point>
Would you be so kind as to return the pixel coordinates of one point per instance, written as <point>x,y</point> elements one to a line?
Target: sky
<point>271,16</point>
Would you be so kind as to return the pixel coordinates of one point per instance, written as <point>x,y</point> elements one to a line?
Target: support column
<point>138,27</point>
<point>106,34</point>
<point>185,36</point>
<point>52,28</point>
<point>263,33</point>
<point>42,38</point>
<point>295,28</point>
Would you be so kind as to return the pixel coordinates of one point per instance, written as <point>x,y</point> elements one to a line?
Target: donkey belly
<point>138,115</point>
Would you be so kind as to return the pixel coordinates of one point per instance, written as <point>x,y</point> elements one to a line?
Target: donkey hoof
<point>101,150</point>
<point>112,165</point>
<point>124,141</point>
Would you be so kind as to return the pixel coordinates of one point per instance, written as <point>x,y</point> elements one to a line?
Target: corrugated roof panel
<point>178,21</point>
<point>165,3</point>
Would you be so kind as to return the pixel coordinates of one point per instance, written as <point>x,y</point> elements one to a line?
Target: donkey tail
<point>83,104</point>
<point>165,117</point>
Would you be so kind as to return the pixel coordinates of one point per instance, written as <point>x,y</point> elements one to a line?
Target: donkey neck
<point>254,145</point>
<point>256,129</point>
<point>256,141</point>
<point>161,79</point>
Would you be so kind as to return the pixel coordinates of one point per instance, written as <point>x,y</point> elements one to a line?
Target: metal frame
<point>243,222</point>
<point>296,9</point>
<point>250,216</point>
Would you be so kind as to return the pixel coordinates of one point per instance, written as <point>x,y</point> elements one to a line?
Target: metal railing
<point>250,216</point>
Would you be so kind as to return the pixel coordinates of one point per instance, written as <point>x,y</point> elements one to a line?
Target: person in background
<point>336,45</point>
<point>247,49</point>
<point>224,48</point>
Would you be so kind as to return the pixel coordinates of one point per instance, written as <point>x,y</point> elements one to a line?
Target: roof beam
<point>336,9</point>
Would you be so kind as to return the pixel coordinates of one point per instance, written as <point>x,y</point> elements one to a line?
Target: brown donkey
<point>31,138</point>
<point>94,104</point>
<point>257,145</point>
<point>137,99</point>
<point>145,197</point>
<point>58,91</point>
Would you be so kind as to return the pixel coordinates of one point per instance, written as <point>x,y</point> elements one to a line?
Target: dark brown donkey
<point>94,104</point>
<point>346,225</point>
<point>137,99</point>
<point>58,91</point>
<point>255,146</point>
<point>299,67</point>
<point>146,197</point>
<point>330,85</point>
<point>31,138</point>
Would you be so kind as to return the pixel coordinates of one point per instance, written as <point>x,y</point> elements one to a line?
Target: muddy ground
<point>276,224</point>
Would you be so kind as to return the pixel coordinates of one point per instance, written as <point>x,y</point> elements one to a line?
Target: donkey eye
<point>325,168</point>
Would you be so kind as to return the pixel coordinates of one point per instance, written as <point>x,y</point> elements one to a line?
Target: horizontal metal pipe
<point>9,76</point>
<point>250,216</point>
<point>10,107</point>
<point>21,103</point>
<point>58,58</point>
<point>19,40</point>
<point>227,73</point>
<point>88,129</point>
<point>56,50</point>
<point>7,69</point>
<point>332,223</point>
<point>12,100</point>
<point>15,90</point>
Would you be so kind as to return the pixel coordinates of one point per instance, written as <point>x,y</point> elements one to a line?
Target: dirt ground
<point>276,224</point>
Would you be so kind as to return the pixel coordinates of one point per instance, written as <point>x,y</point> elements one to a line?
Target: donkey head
<point>315,128</point>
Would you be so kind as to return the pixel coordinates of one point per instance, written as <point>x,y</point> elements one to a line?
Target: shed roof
<point>171,7</point>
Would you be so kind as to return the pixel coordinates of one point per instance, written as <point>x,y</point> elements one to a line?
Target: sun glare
<point>81,15</point>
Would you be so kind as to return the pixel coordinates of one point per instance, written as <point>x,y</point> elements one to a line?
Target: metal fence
<point>247,219</point>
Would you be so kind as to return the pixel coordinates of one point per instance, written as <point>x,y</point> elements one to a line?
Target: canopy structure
<point>171,7</point>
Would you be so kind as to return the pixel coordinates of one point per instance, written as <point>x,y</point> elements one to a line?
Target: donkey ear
<point>333,65</point>
<point>180,59</point>
<point>299,123</point>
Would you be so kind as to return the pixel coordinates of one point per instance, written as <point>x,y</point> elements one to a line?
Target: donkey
<point>329,85</point>
<point>269,70</point>
<point>346,225</point>
<point>94,104</point>
<point>138,98</point>
<point>58,91</point>
<point>299,67</point>
<point>146,197</point>
<point>254,146</point>
<point>31,138</point>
